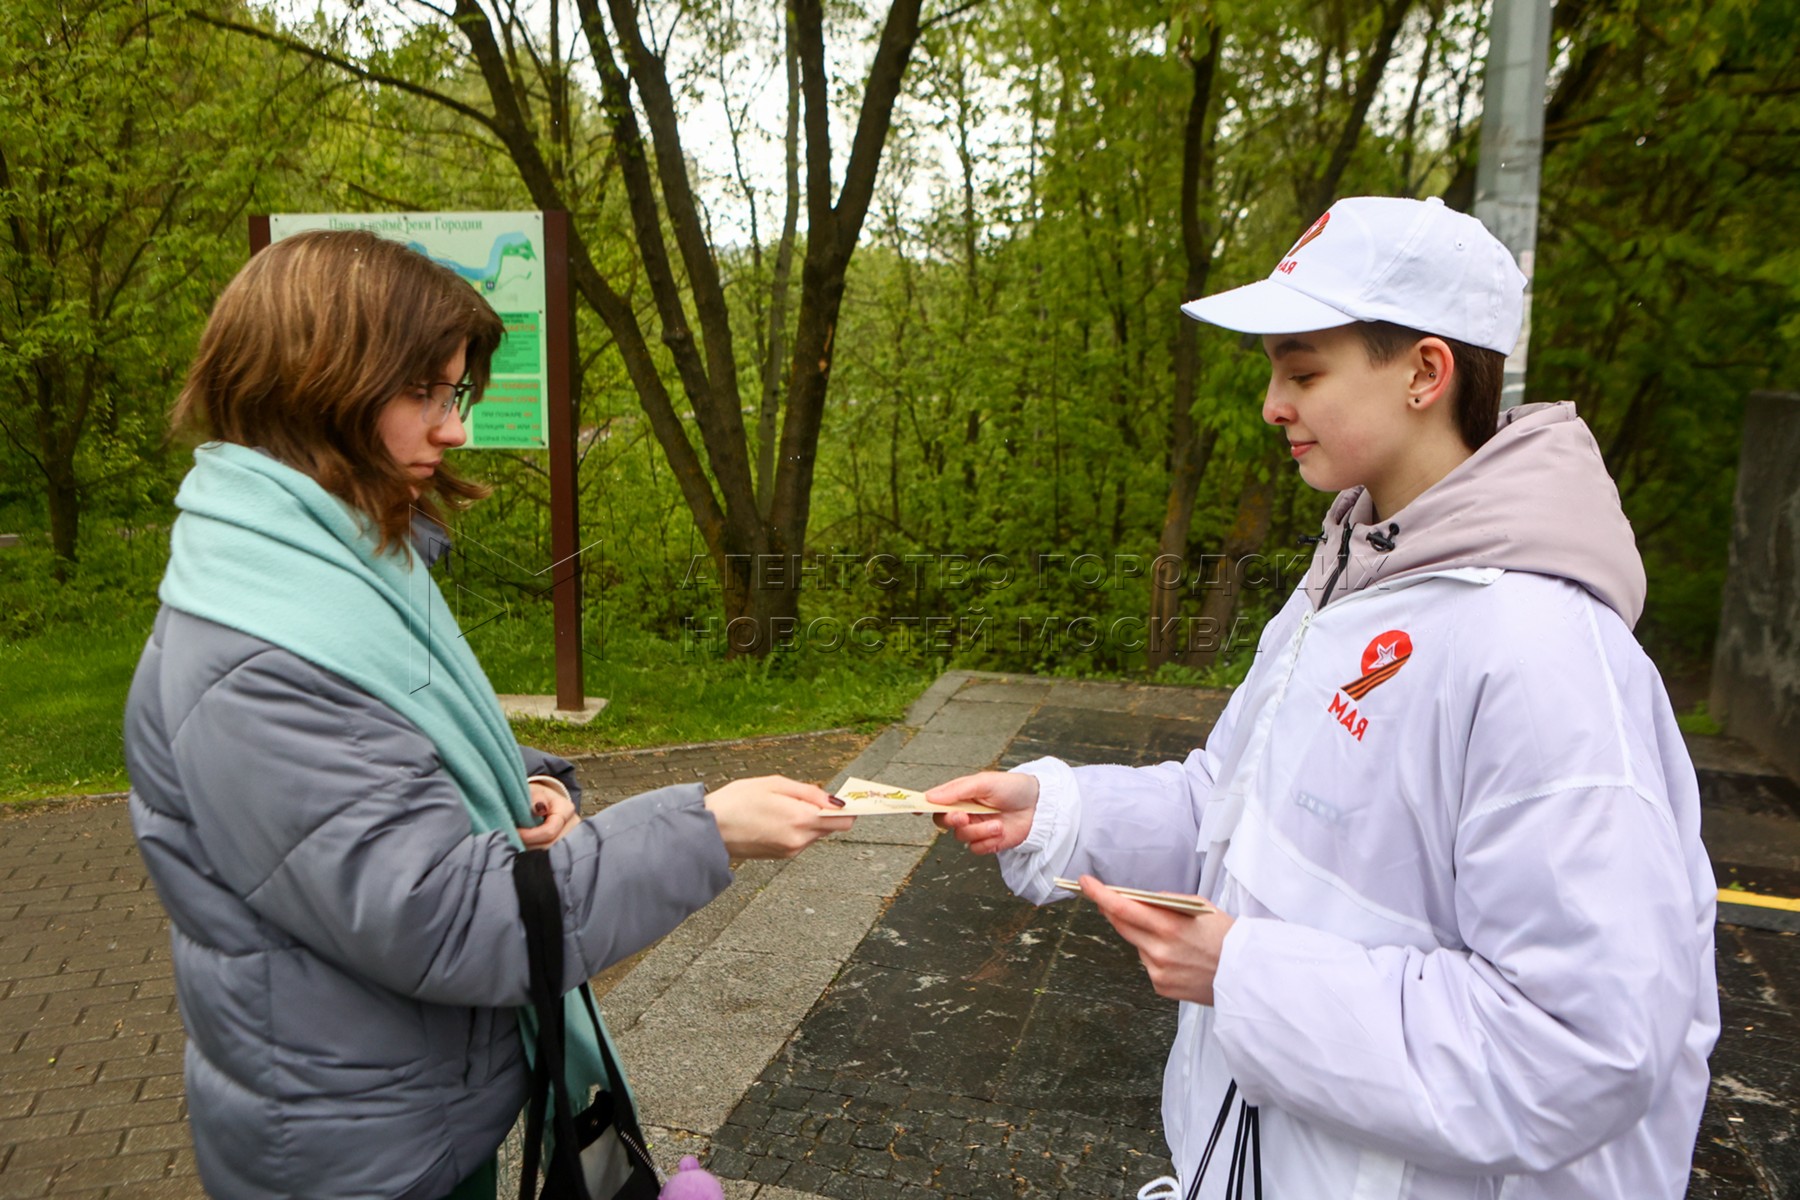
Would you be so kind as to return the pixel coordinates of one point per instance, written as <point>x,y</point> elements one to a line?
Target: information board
<point>501,254</point>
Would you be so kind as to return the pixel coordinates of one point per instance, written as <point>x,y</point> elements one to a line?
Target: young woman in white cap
<point>1464,946</point>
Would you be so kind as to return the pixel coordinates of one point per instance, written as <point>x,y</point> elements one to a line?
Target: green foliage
<point>1662,294</point>
<point>125,170</point>
<point>993,471</point>
<point>1698,721</point>
<point>66,657</point>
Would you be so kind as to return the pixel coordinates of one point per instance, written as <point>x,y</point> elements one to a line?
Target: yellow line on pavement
<point>1733,896</point>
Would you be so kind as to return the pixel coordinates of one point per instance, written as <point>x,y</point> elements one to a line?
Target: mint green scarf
<point>262,548</point>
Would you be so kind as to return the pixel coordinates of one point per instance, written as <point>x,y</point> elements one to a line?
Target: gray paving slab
<point>631,996</point>
<point>1205,705</point>
<point>1097,694</point>
<point>972,718</point>
<point>988,692</point>
<point>799,922</point>
<point>955,747</point>
<point>1713,752</point>
<point>934,697</point>
<point>916,831</point>
<point>710,1036</point>
<point>867,869</point>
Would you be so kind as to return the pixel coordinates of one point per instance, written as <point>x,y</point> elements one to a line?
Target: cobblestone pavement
<point>877,1020</point>
<point>974,1046</point>
<point>90,1038</point>
<point>1749,1144</point>
<point>90,1089</point>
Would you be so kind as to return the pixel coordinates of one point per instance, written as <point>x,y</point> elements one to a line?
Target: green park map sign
<point>501,254</point>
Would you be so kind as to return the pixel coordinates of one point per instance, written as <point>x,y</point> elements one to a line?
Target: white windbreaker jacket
<point>1459,827</point>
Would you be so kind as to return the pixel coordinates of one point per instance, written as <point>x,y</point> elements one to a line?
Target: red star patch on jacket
<point>1380,662</point>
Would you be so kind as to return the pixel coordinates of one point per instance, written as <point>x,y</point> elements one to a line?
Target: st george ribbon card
<point>1178,901</point>
<point>866,798</point>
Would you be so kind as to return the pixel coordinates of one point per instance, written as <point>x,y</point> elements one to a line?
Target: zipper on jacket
<point>1306,619</point>
<point>1342,562</point>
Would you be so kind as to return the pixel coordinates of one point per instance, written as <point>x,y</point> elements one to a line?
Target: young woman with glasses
<point>325,792</point>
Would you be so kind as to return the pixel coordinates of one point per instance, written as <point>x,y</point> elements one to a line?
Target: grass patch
<point>65,689</point>
<point>1697,720</point>
<point>65,698</point>
<point>660,692</point>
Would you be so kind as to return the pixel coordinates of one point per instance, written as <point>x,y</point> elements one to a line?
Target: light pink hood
<point>1535,498</point>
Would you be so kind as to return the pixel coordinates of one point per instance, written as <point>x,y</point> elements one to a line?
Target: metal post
<point>565,538</point>
<point>1512,148</point>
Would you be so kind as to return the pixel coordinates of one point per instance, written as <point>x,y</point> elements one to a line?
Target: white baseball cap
<point>1414,263</point>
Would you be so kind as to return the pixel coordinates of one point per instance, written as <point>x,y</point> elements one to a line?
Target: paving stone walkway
<point>974,1046</point>
<point>877,1019</point>
<point>90,1039</point>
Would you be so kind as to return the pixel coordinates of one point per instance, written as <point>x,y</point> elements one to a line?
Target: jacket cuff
<point>561,771</point>
<point>1030,867</point>
<point>554,782</point>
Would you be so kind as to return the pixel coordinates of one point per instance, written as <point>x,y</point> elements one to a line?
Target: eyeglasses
<point>438,400</point>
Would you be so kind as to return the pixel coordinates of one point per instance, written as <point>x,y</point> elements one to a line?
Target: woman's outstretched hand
<point>1013,794</point>
<point>773,816</point>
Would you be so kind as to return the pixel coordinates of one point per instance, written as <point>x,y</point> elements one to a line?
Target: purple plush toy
<point>689,1182</point>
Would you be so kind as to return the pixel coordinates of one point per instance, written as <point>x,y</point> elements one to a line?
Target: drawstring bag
<point>597,1153</point>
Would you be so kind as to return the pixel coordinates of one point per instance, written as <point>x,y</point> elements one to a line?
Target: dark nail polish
<point>836,801</point>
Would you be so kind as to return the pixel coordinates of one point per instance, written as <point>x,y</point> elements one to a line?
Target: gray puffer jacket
<point>347,955</point>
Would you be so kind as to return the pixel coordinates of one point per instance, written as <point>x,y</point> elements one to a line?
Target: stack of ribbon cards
<point>1178,901</point>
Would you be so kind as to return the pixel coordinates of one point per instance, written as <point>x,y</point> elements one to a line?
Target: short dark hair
<point>312,339</point>
<point>1480,374</point>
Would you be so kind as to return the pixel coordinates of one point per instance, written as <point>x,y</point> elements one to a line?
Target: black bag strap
<point>1212,1142</point>
<point>1246,1150</point>
<point>540,909</point>
<point>624,1113</point>
<point>1255,1116</point>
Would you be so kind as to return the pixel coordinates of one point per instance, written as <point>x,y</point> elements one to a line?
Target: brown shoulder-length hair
<point>309,343</point>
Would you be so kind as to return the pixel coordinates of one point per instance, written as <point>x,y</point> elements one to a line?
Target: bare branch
<point>346,65</point>
<point>1368,79</point>
<point>950,15</point>
<point>898,36</point>
<point>651,77</point>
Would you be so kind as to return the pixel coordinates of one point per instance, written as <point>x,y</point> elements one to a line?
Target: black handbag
<point>598,1153</point>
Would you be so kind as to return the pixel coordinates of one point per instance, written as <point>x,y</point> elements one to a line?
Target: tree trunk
<point>768,414</point>
<point>65,517</point>
<point>831,234</point>
<point>1189,449</point>
<point>1219,605</point>
<point>761,598</point>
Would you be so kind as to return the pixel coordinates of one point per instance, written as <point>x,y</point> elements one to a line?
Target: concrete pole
<point>1512,148</point>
